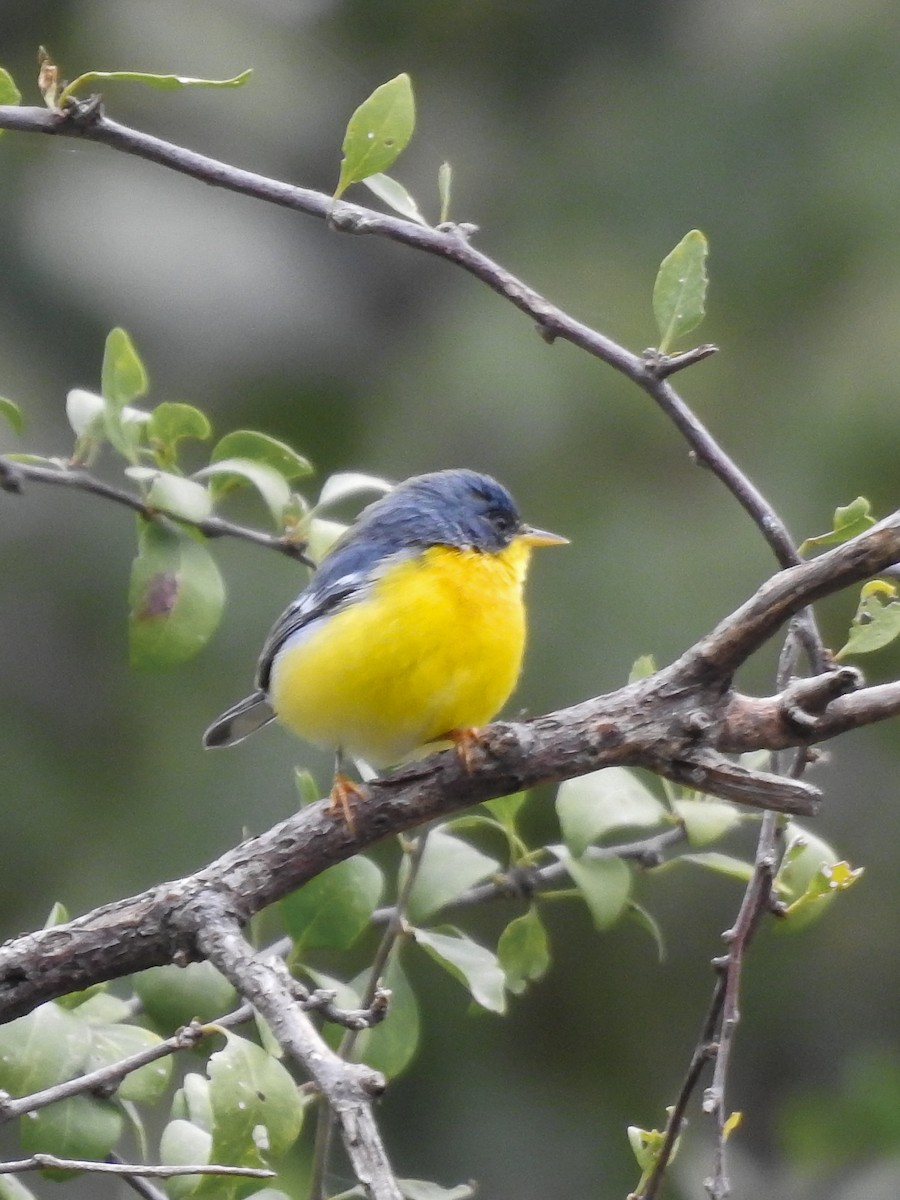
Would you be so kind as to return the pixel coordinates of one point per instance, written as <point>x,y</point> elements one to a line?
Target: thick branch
<point>676,723</point>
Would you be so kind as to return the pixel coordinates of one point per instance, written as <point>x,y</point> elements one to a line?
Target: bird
<point>410,632</point>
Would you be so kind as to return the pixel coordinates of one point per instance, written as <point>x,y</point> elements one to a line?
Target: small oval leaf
<point>679,293</point>
<point>377,132</point>
<point>176,597</point>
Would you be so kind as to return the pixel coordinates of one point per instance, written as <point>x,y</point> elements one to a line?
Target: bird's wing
<point>344,577</point>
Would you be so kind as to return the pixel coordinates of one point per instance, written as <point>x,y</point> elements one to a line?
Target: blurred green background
<point>586,138</point>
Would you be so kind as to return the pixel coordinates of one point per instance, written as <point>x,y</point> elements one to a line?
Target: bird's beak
<point>541,537</point>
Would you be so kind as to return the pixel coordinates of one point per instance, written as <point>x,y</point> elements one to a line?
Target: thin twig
<point>13,473</point>
<point>50,1162</point>
<point>452,244</point>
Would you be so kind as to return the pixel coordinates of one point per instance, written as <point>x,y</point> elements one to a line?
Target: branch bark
<point>678,723</point>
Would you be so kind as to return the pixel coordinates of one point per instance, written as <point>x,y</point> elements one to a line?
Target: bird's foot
<point>465,740</point>
<point>344,794</point>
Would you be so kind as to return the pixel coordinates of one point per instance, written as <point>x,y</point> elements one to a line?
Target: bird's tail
<point>239,722</point>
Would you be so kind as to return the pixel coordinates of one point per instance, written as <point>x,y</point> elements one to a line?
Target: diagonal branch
<point>678,723</point>
<point>649,371</point>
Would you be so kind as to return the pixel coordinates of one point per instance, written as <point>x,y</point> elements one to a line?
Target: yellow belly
<point>436,646</point>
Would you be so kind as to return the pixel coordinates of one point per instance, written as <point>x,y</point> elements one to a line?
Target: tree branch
<point>451,243</point>
<point>676,723</point>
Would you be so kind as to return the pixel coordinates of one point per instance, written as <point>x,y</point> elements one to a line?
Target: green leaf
<point>642,668</point>
<point>9,93</point>
<point>389,1047</point>
<point>396,196</point>
<point>344,484</point>
<point>164,82</point>
<point>849,520</point>
<point>474,966</point>
<point>232,472</point>
<point>46,1047</point>
<point>448,868</point>
<point>333,908</point>
<point>524,951</point>
<point>184,1144</point>
<point>171,423</point>
<point>649,923</point>
<point>84,411</point>
<point>321,537</point>
<point>445,180</point>
<point>722,864</point>
<point>12,1188</point>
<point>173,493</point>
<point>506,809</point>
<point>174,996</point>
<point>594,805</point>
<point>122,377</point>
<point>876,622</point>
<point>260,448</point>
<point>176,596</point>
<point>12,414</point>
<point>111,1043</point>
<point>256,1109</point>
<point>79,1127</point>
<point>604,883</point>
<point>423,1189</point>
<point>706,820</point>
<point>679,293</point>
<point>377,132</point>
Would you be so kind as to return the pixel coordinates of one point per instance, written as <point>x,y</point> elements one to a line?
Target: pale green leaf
<point>45,1047</point>
<point>9,93</point>
<point>377,132</point>
<point>476,967</point>
<point>173,493</point>
<point>604,883</point>
<point>333,908</point>
<point>165,82</point>
<point>122,377</point>
<point>876,622</point>
<point>445,180</point>
<point>321,536</point>
<point>176,596</point>
<point>423,1189</point>
<point>174,996</point>
<point>679,294</point>
<point>172,422</point>
<point>80,1127</point>
<point>506,808</point>
<point>596,804</point>
<point>722,864</point>
<point>84,411</point>
<point>232,472</point>
<point>706,820</point>
<point>111,1043</point>
<point>12,1188</point>
<point>849,520</point>
<point>396,196</point>
<point>524,951</point>
<point>12,414</point>
<point>256,1108</point>
<point>184,1144</point>
<point>260,448</point>
<point>344,484</point>
<point>449,867</point>
<point>642,668</point>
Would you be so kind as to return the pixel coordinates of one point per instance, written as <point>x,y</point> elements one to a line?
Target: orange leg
<point>465,740</point>
<point>344,793</point>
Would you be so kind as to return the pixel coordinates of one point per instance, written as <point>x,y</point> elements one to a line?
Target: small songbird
<point>411,631</point>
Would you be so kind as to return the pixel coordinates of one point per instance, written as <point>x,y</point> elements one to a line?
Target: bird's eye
<point>502,520</point>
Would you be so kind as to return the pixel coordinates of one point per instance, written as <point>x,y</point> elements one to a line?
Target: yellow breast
<point>435,646</point>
